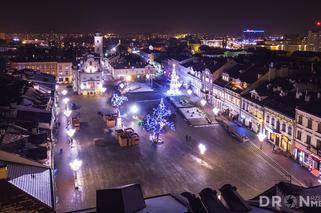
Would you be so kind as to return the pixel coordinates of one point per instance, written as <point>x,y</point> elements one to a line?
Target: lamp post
<point>75,166</point>
<point>203,102</point>
<point>64,92</point>
<point>67,113</point>
<point>189,91</point>
<point>65,100</point>
<point>202,149</point>
<point>261,137</point>
<point>216,110</point>
<point>134,109</point>
<point>70,132</point>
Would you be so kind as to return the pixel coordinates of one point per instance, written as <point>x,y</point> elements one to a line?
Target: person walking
<point>190,138</point>
<point>186,138</point>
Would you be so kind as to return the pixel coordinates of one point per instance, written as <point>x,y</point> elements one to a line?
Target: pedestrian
<point>61,151</point>
<point>190,138</point>
<point>273,148</point>
<point>186,138</point>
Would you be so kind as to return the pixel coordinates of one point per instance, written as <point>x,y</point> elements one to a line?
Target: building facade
<point>88,79</point>
<point>308,139</point>
<point>279,129</point>
<point>61,70</point>
<point>314,41</point>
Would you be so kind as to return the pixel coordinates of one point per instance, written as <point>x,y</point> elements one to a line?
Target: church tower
<point>99,44</point>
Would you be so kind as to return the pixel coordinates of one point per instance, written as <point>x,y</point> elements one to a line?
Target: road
<point>174,166</point>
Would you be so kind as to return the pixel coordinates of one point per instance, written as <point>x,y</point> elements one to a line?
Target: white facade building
<point>308,137</point>
<point>88,79</point>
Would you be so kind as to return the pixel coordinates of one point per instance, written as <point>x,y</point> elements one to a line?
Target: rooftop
<point>127,61</point>
<point>29,185</point>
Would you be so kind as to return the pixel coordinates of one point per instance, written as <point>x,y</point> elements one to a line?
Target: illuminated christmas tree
<point>174,84</point>
<point>156,122</point>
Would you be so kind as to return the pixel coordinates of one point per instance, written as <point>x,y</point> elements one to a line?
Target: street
<point>174,166</point>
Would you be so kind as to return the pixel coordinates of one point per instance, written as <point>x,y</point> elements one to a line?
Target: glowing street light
<point>147,76</point>
<point>216,110</point>
<point>261,137</point>
<point>64,92</point>
<point>65,100</point>
<point>189,91</point>
<point>134,109</point>
<point>202,149</point>
<point>75,166</point>
<point>102,89</point>
<point>67,113</point>
<point>70,132</point>
<point>203,102</point>
<point>121,85</point>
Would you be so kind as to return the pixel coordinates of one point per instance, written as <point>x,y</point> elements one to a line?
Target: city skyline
<point>167,17</point>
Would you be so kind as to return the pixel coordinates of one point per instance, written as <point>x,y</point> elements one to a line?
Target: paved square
<point>174,166</point>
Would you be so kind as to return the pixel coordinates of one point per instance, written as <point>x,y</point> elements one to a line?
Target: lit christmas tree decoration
<point>174,84</point>
<point>156,122</point>
<point>118,100</point>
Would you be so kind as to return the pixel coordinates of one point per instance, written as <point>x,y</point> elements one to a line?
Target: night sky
<point>170,16</point>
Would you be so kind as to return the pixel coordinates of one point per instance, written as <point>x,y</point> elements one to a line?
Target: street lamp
<point>134,110</point>
<point>202,149</point>
<point>216,110</point>
<point>70,132</point>
<point>189,91</point>
<point>75,166</point>
<point>64,92</point>
<point>67,113</point>
<point>203,102</point>
<point>261,137</point>
<point>65,100</point>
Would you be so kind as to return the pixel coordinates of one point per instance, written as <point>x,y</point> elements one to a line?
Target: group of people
<point>188,138</point>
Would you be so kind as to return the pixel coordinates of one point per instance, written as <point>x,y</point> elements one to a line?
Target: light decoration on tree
<point>174,84</point>
<point>118,100</point>
<point>156,122</point>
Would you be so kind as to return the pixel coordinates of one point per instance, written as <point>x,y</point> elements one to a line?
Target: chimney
<point>3,172</point>
<point>297,94</point>
<point>259,76</point>
<point>306,97</point>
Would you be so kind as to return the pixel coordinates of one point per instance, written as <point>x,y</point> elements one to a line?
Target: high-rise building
<point>314,40</point>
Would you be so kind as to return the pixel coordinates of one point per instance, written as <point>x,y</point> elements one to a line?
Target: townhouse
<point>307,149</point>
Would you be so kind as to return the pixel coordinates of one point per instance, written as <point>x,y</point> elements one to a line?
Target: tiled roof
<point>16,200</point>
<point>313,108</point>
<point>35,181</point>
<point>29,186</point>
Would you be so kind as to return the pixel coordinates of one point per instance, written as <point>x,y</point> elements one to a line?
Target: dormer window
<point>225,77</point>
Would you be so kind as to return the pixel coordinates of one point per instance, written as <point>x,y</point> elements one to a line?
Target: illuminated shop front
<point>308,158</point>
<point>279,140</point>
